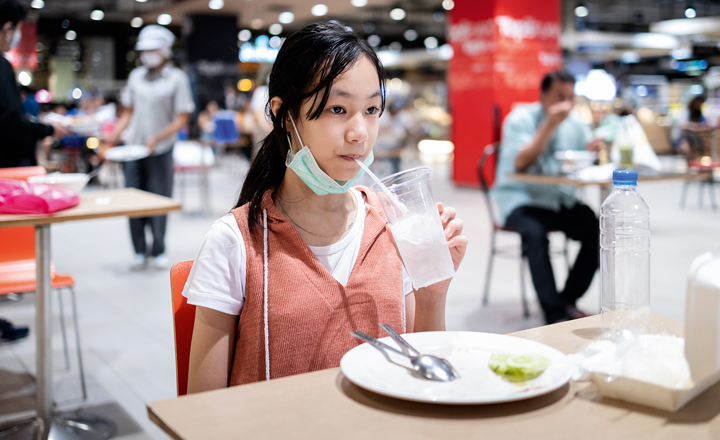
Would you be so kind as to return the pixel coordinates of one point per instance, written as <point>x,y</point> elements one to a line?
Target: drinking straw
<point>403,209</point>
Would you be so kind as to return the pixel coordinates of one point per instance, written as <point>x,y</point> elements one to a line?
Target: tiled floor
<point>126,319</point>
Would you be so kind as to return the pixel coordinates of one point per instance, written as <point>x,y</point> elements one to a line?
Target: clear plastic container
<point>625,256</point>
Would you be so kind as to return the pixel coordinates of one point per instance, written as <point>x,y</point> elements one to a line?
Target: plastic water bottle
<point>625,256</point>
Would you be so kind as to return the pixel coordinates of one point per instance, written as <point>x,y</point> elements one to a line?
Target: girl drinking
<point>305,258</point>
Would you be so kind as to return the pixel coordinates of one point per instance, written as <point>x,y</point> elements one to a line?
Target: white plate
<point>72,181</point>
<point>469,353</point>
<point>127,153</point>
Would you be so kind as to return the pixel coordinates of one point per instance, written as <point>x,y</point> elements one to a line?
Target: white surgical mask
<point>151,59</point>
<point>17,36</point>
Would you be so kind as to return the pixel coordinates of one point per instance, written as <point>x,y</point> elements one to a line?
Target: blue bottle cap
<point>625,177</point>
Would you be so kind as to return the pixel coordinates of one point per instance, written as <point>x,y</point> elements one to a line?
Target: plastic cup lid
<point>625,177</point>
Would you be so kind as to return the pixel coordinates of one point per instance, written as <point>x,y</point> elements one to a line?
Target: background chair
<point>18,271</point>
<point>183,323</point>
<point>705,168</point>
<point>486,169</point>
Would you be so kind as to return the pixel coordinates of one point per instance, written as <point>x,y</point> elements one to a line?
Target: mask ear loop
<point>296,131</point>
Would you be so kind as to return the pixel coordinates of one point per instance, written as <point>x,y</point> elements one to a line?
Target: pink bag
<point>19,197</point>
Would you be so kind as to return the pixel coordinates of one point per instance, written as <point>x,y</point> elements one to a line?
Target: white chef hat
<point>154,37</point>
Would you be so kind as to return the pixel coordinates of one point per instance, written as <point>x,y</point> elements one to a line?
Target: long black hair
<point>307,64</point>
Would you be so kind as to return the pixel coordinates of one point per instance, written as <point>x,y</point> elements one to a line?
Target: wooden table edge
<point>158,421</point>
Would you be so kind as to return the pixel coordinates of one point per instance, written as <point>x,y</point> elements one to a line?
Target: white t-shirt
<point>217,278</point>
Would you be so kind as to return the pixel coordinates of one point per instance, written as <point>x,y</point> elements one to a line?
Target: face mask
<point>17,36</point>
<point>151,59</point>
<point>304,165</point>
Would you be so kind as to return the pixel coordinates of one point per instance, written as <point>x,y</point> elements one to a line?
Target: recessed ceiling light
<point>37,4</point>
<point>216,4</point>
<point>97,15</point>
<point>164,19</point>
<point>244,35</point>
<point>358,3</point>
<point>275,29</point>
<point>410,35</point>
<point>70,35</point>
<point>286,17</point>
<point>136,22</point>
<point>397,14</point>
<point>431,42</point>
<point>319,10</point>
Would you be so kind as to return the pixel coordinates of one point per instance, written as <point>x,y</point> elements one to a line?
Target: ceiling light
<point>216,4</point>
<point>581,11</point>
<point>164,19</point>
<point>136,22</point>
<point>397,14</point>
<point>373,40</point>
<point>70,35</point>
<point>275,42</point>
<point>76,93</point>
<point>256,23</point>
<point>286,17</point>
<point>65,24</point>
<point>448,4</point>
<point>690,12</point>
<point>24,78</point>
<point>275,29</point>
<point>431,42</point>
<point>438,16</point>
<point>319,10</point>
<point>244,35</point>
<point>410,35</point>
<point>358,3</point>
<point>141,1</point>
<point>97,15</point>
<point>37,4</point>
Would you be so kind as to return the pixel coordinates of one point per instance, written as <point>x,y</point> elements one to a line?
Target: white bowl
<point>72,181</point>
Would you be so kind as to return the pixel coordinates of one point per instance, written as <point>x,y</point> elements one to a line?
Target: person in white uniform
<point>158,103</point>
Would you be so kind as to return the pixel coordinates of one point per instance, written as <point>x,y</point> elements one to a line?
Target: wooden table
<point>126,202</point>
<point>325,405</point>
<point>605,185</point>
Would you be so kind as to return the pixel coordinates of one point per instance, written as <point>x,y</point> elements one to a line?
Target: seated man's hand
<point>557,113</point>
<point>594,145</point>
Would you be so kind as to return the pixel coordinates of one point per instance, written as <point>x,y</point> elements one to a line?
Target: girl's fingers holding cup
<point>453,228</point>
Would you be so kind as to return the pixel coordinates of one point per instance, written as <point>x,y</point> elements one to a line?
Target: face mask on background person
<point>151,58</point>
<point>304,164</point>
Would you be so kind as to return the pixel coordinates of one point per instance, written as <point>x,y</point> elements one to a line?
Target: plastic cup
<point>418,233</point>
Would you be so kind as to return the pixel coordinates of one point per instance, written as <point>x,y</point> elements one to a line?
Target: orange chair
<point>17,268</point>
<point>183,323</point>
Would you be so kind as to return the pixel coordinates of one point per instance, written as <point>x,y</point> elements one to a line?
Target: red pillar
<point>502,48</point>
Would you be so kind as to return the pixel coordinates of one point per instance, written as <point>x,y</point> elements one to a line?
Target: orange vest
<point>309,316</point>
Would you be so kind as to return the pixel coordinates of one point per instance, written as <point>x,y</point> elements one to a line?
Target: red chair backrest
<point>18,243</point>
<point>183,322</point>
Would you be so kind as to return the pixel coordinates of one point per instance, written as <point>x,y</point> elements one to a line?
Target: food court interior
<point>649,58</point>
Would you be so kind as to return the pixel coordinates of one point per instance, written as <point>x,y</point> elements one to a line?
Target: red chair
<point>183,323</point>
<point>486,169</point>
<point>17,268</point>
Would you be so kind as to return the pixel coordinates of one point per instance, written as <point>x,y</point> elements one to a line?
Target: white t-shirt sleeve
<point>406,282</point>
<point>217,278</point>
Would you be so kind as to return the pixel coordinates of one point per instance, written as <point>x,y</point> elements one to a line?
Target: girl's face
<point>348,126</point>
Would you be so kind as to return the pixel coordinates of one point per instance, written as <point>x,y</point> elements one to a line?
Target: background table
<point>325,405</point>
<point>127,202</point>
<point>605,185</point>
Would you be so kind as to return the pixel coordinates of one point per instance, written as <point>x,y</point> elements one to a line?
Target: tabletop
<point>325,405</point>
<point>126,202</point>
<point>569,180</point>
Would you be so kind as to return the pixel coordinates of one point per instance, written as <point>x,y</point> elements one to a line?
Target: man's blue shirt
<point>518,130</point>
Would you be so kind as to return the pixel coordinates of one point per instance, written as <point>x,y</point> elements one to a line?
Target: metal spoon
<point>425,365</point>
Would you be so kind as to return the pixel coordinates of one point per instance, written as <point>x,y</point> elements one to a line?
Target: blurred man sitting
<point>531,135</point>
